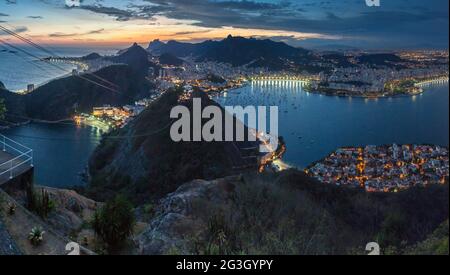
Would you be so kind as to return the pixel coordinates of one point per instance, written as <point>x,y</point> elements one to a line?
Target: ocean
<point>312,125</point>
<point>18,69</point>
<point>315,125</point>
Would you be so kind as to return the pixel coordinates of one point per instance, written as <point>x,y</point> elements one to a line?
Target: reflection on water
<point>61,151</point>
<point>314,125</point>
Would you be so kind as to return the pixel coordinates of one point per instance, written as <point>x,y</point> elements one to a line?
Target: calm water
<point>315,125</point>
<point>18,69</point>
<point>61,151</point>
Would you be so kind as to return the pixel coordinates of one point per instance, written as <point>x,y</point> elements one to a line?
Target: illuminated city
<point>384,168</point>
<point>224,132</point>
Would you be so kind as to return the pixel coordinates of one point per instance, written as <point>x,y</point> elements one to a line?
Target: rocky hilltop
<point>176,221</point>
<point>290,213</point>
<point>136,57</point>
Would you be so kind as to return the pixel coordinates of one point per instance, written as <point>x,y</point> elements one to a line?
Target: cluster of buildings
<point>373,80</point>
<point>108,117</point>
<point>104,118</point>
<point>115,116</point>
<point>384,168</point>
<point>208,76</point>
<point>360,81</point>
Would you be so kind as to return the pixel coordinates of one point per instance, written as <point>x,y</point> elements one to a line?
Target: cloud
<point>35,17</point>
<point>60,34</point>
<point>4,14</point>
<point>20,29</point>
<point>191,32</point>
<point>119,14</point>
<point>395,22</point>
<point>96,31</point>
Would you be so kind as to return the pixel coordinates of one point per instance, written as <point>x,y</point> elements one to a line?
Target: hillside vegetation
<point>143,162</point>
<point>290,213</point>
<point>61,98</point>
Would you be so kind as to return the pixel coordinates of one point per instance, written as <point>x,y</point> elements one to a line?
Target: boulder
<point>175,222</point>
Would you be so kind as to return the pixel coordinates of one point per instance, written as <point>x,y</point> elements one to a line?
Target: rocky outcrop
<point>176,222</point>
<point>71,210</point>
<point>136,57</point>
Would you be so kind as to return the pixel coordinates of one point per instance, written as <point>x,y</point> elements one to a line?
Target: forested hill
<point>14,104</point>
<point>146,163</point>
<point>61,98</point>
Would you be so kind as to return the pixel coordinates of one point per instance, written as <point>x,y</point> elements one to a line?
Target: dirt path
<point>7,244</point>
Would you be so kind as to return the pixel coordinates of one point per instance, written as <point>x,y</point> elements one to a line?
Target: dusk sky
<point>395,24</point>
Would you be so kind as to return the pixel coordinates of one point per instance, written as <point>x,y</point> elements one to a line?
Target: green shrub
<point>2,107</point>
<point>36,236</point>
<point>42,204</point>
<point>265,218</point>
<point>114,222</point>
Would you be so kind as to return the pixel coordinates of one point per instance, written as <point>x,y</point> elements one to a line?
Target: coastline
<point>42,83</point>
<point>380,94</point>
<point>26,122</point>
<point>343,95</point>
<point>346,94</point>
<point>363,146</point>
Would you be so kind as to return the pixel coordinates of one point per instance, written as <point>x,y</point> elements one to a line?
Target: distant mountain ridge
<point>136,57</point>
<point>237,51</point>
<point>170,59</point>
<point>91,56</point>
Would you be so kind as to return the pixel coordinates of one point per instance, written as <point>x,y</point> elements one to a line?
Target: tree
<point>2,108</point>
<point>114,222</point>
